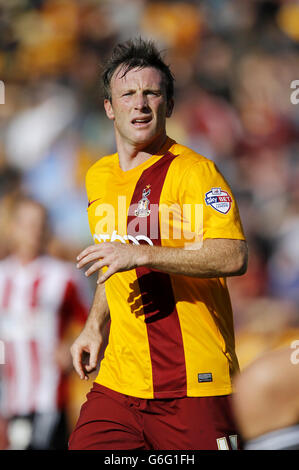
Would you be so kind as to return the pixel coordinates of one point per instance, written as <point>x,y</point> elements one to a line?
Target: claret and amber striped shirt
<point>171,335</point>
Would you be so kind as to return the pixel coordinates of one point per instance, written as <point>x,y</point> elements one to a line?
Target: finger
<point>110,271</point>
<point>98,265</point>
<point>86,251</point>
<point>93,359</point>
<point>76,353</point>
<point>89,258</point>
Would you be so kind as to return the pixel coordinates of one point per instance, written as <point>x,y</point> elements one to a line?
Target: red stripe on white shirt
<point>35,310</point>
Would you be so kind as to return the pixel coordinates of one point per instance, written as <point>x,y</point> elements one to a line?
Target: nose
<point>141,101</point>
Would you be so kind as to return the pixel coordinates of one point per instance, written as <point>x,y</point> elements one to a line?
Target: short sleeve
<point>203,184</point>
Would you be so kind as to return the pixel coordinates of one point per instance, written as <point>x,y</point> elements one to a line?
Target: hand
<point>85,352</point>
<point>116,256</point>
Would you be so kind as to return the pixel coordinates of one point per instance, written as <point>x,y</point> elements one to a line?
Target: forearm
<point>215,258</point>
<point>86,350</point>
<point>99,312</point>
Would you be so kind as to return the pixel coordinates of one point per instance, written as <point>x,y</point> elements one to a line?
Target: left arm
<point>215,258</point>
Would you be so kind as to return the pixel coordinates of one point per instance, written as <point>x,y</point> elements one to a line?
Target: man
<point>165,380</point>
<point>266,402</point>
<point>39,298</point>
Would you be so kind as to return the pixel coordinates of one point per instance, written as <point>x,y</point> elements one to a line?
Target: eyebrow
<point>130,90</point>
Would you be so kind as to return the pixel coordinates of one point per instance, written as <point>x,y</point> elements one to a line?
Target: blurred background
<point>233,63</point>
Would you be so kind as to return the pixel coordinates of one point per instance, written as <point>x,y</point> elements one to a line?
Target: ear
<point>109,109</point>
<point>170,105</point>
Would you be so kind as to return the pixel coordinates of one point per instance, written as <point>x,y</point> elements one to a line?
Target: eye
<point>152,92</point>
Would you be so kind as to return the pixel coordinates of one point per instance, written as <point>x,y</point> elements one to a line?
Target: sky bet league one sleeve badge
<point>219,200</point>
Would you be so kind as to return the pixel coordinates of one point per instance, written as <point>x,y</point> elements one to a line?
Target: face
<point>28,230</point>
<point>139,106</point>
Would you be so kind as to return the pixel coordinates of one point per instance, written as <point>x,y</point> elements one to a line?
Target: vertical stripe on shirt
<point>161,316</point>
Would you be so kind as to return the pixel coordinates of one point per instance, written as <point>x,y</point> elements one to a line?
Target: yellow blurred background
<point>233,63</point>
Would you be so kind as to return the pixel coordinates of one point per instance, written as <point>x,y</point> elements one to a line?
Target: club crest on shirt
<point>219,200</point>
<point>142,208</point>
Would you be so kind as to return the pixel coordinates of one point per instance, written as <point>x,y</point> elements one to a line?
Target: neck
<point>26,258</point>
<point>131,155</point>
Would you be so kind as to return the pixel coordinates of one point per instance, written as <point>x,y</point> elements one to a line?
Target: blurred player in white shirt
<point>39,297</point>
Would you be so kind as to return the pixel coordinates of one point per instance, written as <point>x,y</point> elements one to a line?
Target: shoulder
<point>188,160</point>
<point>64,270</point>
<point>6,265</point>
<point>100,167</point>
<point>63,278</point>
<point>6,261</point>
<point>99,172</point>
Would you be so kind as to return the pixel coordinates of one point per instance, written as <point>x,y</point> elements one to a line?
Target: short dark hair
<point>136,53</point>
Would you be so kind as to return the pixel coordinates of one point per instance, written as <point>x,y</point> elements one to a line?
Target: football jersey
<point>170,335</point>
<point>37,303</point>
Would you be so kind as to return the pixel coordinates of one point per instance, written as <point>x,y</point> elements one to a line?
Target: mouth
<point>141,122</point>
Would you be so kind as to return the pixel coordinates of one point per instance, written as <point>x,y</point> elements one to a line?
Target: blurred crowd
<point>233,62</point>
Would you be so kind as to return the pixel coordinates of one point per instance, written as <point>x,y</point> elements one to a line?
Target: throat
<point>134,161</point>
<point>131,156</point>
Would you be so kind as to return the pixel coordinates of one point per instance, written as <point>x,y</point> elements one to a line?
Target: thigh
<point>106,422</point>
<point>195,423</point>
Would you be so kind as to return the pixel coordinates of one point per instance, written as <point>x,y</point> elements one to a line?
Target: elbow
<point>241,262</point>
<point>242,268</point>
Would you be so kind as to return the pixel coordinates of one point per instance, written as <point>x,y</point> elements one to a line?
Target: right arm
<point>87,347</point>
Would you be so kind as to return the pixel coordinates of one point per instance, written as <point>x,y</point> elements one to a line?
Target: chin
<point>143,139</point>
<point>146,136</point>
